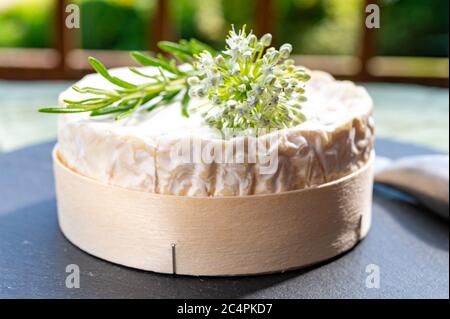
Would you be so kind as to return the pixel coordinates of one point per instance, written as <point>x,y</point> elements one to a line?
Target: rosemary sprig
<point>160,90</point>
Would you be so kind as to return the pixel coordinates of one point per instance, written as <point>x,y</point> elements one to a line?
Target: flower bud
<point>252,40</point>
<point>200,92</point>
<point>258,89</point>
<point>270,80</point>
<point>213,80</point>
<point>251,100</point>
<point>276,90</point>
<point>296,105</point>
<point>289,62</point>
<point>193,80</point>
<point>293,82</point>
<point>231,104</point>
<point>219,60</point>
<point>275,56</point>
<point>285,50</point>
<point>242,111</point>
<point>274,100</point>
<point>299,89</point>
<point>235,71</point>
<point>192,93</point>
<point>266,39</point>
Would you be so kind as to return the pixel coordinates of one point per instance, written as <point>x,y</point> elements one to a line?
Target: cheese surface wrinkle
<point>138,152</point>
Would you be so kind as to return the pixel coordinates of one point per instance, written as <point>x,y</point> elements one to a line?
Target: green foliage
<point>110,25</point>
<point>321,26</point>
<point>420,26</point>
<point>26,24</point>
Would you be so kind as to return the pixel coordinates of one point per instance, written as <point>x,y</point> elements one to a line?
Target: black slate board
<point>407,242</point>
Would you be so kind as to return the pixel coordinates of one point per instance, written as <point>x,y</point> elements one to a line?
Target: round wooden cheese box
<point>214,236</point>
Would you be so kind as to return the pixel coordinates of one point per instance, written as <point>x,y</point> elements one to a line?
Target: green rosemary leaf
<point>163,76</point>
<point>146,60</point>
<point>101,69</point>
<point>60,110</point>
<point>134,70</point>
<point>91,106</point>
<point>154,104</point>
<point>92,90</point>
<point>130,111</point>
<point>183,58</point>
<point>170,95</point>
<point>77,106</point>
<point>163,99</point>
<point>84,102</point>
<point>171,63</point>
<point>111,110</point>
<point>150,97</point>
<point>198,47</point>
<point>185,103</point>
<point>171,47</point>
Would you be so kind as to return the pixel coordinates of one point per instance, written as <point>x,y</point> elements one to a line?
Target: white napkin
<point>424,177</point>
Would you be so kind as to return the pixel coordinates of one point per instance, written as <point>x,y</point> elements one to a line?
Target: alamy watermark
<point>73,16</point>
<point>374,276</point>
<point>73,277</point>
<point>373,17</point>
<point>231,147</point>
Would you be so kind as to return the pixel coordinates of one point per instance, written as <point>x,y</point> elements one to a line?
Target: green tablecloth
<point>409,113</point>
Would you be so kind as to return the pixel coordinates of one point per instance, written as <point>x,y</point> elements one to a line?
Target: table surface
<point>408,243</point>
<point>398,108</point>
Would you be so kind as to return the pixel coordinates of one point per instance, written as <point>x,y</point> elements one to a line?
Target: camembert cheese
<point>138,152</point>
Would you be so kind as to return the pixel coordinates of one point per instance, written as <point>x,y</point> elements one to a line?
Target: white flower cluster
<point>249,84</point>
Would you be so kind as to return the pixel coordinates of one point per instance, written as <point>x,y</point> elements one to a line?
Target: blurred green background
<point>410,27</point>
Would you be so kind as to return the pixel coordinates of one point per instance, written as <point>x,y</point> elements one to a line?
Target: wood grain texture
<point>214,236</point>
